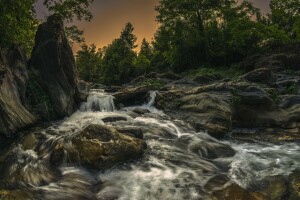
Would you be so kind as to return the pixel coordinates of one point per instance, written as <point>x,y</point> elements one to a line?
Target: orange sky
<point>110,16</point>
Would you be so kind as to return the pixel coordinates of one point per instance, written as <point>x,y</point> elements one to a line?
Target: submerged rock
<point>53,65</point>
<point>99,147</point>
<point>13,80</point>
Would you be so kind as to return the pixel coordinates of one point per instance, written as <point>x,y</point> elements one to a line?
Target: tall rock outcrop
<point>53,66</point>
<point>13,79</point>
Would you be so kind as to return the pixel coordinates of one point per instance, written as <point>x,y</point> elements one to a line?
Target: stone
<point>262,75</point>
<point>131,131</point>
<point>132,95</point>
<point>99,147</point>
<point>113,119</point>
<point>294,185</point>
<point>141,111</point>
<point>202,79</point>
<point>14,115</point>
<point>53,65</point>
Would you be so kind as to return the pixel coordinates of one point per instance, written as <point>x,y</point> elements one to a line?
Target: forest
<point>192,34</point>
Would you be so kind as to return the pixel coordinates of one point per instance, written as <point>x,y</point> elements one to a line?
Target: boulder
<point>13,80</point>
<point>263,75</point>
<point>205,111</point>
<point>131,131</point>
<point>294,185</point>
<point>99,147</point>
<point>141,111</point>
<point>222,188</point>
<point>53,67</point>
<point>202,79</point>
<point>132,95</point>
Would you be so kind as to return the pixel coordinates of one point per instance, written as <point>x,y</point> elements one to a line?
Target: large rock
<point>13,80</point>
<point>132,95</point>
<point>205,111</point>
<point>99,147</point>
<point>263,75</point>
<point>53,65</point>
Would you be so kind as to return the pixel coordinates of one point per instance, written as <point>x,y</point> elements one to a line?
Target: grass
<point>220,72</point>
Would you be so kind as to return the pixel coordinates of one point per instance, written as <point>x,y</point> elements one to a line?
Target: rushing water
<point>177,165</point>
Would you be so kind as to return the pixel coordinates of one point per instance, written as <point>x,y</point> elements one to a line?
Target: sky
<point>110,16</point>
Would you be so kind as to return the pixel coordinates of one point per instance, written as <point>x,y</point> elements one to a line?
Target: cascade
<point>98,100</point>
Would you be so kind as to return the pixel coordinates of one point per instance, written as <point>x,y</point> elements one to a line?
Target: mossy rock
<point>99,147</point>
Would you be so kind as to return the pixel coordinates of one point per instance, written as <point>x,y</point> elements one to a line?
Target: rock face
<point>99,147</point>
<point>13,79</point>
<point>53,65</point>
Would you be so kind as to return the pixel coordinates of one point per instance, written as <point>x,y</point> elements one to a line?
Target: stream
<point>178,163</point>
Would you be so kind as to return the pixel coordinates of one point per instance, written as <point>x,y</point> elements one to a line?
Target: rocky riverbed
<point>140,152</point>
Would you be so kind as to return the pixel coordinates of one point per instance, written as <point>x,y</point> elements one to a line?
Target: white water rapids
<point>177,165</point>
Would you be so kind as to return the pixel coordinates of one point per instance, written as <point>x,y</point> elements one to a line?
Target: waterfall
<point>98,100</point>
<point>152,99</point>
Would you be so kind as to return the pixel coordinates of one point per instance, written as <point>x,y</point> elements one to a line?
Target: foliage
<point>70,10</point>
<point>220,72</point>
<point>286,14</point>
<point>157,84</point>
<point>18,23</point>
<point>218,33</point>
<point>88,60</point>
<point>114,64</point>
<point>142,62</point>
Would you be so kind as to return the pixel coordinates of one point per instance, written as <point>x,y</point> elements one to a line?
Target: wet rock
<point>221,188</point>
<point>263,75</point>
<point>254,96</point>
<point>211,150</point>
<point>294,185</point>
<point>13,81</point>
<point>132,95</point>
<point>101,147</point>
<point>113,119</point>
<point>141,111</point>
<point>274,135</point>
<point>131,131</point>
<point>53,66</point>
<point>205,111</point>
<point>273,188</point>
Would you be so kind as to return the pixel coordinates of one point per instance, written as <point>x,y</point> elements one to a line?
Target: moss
<point>157,84</point>
<point>292,89</point>
<point>220,72</point>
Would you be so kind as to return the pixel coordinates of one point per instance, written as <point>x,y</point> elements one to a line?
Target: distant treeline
<point>192,34</point>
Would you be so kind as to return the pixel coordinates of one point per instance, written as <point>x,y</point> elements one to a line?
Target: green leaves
<point>70,9</point>
<point>18,23</point>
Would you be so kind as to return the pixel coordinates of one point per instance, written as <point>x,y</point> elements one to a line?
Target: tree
<point>128,37</point>
<point>88,62</point>
<point>119,57</point>
<point>70,10</point>
<point>146,49</point>
<point>142,62</point>
<point>285,14</point>
<point>18,23</point>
